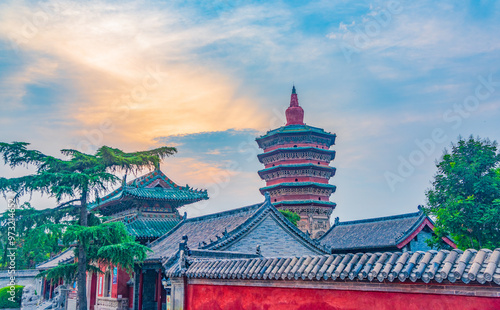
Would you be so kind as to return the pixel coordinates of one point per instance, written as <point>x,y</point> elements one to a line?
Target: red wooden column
<point>158,290</point>
<point>140,289</point>
<point>50,290</point>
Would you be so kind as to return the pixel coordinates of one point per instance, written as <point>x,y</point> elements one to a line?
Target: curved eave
<point>296,149</point>
<point>296,167</point>
<point>286,203</point>
<point>305,131</point>
<point>298,184</point>
<point>195,197</point>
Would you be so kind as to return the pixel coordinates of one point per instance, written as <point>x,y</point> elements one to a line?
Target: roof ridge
<point>266,207</point>
<point>201,218</point>
<point>379,219</point>
<point>54,257</point>
<point>299,232</point>
<point>242,228</point>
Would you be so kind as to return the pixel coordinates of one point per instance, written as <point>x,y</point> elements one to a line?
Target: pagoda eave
<point>295,150</point>
<point>297,167</point>
<point>290,203</point>
<point>297,184</point>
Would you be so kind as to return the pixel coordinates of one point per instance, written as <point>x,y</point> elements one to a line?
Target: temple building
<point>297,169</point>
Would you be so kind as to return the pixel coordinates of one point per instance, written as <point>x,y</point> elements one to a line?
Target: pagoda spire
<point>294,113</point>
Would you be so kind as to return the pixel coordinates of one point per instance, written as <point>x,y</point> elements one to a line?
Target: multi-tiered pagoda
<point>297,169</point>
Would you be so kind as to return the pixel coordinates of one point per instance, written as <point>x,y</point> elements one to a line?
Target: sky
<point>397,81</point>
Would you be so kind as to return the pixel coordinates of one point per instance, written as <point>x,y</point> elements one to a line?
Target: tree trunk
<point>82,258</point>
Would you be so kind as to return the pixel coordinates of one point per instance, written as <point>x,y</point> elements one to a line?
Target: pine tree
<point>80,177</point>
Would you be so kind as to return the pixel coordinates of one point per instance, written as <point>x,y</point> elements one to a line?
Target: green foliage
<point>465,194</point>
<point>291,216</point>
<point>39,232</point>
<point>5,294</point>
<point>107,243</point>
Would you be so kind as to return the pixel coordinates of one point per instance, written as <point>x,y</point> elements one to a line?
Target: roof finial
<point>268,198</point>
<point>294,113</point>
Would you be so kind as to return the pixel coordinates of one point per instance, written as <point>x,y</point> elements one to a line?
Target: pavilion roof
<point>150,228</point>
<point>154,185</point>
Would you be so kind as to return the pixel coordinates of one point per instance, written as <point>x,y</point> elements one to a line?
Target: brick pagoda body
<point>297,169</point>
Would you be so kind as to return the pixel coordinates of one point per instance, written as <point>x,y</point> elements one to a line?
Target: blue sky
<point>397,81</point>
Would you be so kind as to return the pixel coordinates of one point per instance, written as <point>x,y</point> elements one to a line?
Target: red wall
<point>218,297</point>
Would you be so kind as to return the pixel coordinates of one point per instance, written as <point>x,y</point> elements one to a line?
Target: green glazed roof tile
<point>151,228</point>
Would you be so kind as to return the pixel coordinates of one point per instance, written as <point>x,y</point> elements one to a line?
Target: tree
<point>465,194</point>
<point>79,177</point>
<point>291,216</point>
<point>38,234</point>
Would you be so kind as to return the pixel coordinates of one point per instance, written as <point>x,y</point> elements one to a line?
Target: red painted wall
<point>121,288</point>
<point>218,297</point>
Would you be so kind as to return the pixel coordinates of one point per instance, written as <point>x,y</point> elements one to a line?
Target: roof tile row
<point>471,265</point>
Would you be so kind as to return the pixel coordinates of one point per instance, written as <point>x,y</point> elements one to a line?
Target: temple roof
<point>65,256</point>
<point>374,233</point>
<point>298,129</point>
<point>470,266</point>
<point>218,231</point>
<point>154,185</point>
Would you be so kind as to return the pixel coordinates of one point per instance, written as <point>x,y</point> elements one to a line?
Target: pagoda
<point>297,169</point>
<point>148,205</point>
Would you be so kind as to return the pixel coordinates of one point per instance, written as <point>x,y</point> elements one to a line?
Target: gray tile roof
<point>376,233</point>
<point>63,257</point>
<point>172,266</point>
<point>216,231</point>
<point>432,266</point>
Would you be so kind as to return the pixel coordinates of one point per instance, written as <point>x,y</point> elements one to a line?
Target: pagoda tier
<point>300,191</point>
<point>296,162</point>
<point>296,155</point>
<point>307,172</point>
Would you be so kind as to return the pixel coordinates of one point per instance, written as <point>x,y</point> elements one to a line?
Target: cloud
<point>208,77</point>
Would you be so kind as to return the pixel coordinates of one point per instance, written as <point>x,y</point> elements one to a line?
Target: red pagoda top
<point>294,113</point>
